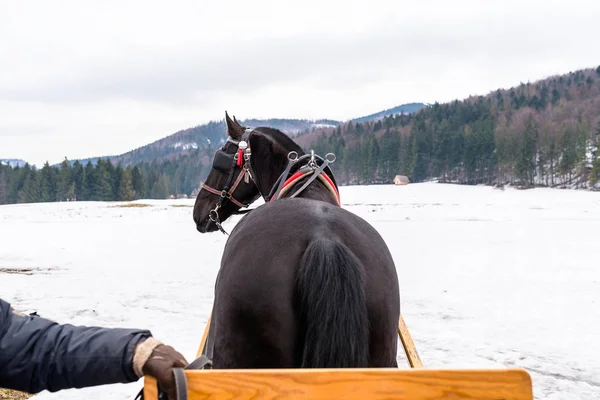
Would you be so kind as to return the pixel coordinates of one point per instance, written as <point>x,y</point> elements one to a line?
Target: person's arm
<point>39,354</point>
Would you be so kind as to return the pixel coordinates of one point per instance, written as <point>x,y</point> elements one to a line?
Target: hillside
<point>202,139</point>
<point>403,109</point>
<point>208,136</point>
<point>13,162</point>
<point>541,133</point>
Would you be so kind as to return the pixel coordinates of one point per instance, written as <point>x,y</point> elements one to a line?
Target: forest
<point>543,134</point>
<point>536,134</point>
<point>98,182</point>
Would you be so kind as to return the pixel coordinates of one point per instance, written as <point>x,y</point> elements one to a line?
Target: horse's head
<point>227,187</point>
<point>260,154</point>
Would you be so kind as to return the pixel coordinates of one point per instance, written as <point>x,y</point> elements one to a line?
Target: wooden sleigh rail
<point>347,384</point>
<point>417,383</point>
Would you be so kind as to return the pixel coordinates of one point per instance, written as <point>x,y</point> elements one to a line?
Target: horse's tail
<point>332,303</point>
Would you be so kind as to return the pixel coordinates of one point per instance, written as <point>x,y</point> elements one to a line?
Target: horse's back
<point>257,287</point>
<point>291,224</point>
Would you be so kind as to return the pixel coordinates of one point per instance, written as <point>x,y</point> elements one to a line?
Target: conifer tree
<point>125,185</point>
<point>138,183</point>
<point>526,162</point>
<point>47,183</point>
<point>65,183</point>
<point>31,192</point>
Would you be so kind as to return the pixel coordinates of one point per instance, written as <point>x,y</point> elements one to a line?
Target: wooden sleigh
<point>416,383</point>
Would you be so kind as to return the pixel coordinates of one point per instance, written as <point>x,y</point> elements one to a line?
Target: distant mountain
<point>13,162</point>
<point>202,139</point>
<point>403,109</point>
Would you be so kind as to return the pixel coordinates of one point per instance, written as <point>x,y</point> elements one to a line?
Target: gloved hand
<point>158,360</point>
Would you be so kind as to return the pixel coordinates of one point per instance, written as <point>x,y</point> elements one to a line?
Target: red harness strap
<point>292,180</point>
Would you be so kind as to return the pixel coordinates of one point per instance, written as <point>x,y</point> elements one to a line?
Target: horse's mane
<point>281,138</point>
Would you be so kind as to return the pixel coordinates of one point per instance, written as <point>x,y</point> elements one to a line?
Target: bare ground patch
<point>27,271</point>
<point>6,394</point>
<point>132,205</point>
<point>18,271</point>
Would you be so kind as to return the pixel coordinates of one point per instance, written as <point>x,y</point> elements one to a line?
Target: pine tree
<point>65,181</point>
<point>389,154</point>
<point>138,183</point>
<point>595,172</point>
<point>526,162</point>
<point>568,153</point>
<point>103,178</point>
<point>3,183</point>
<point>125,185</point>
<point>552,155</point>
<point>111,178</point>
<point>48,183</point>
<point>79,180</point>
<point>116,181</point>
<point>160,190</point>
<point>31,191</point>
<point>89,185</point>
<point>469,154</point>
<point>595,145</point>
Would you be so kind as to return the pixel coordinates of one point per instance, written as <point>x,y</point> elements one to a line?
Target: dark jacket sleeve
<point>39,354</point>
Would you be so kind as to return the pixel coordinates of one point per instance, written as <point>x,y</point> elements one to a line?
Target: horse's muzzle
<point>205,226</point>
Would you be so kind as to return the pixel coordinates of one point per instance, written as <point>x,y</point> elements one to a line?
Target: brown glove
<point>158,360</point>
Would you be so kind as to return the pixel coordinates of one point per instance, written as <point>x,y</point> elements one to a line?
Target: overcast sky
<point>88,78</point>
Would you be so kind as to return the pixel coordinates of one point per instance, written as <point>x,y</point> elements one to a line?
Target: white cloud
<point>93,78</point>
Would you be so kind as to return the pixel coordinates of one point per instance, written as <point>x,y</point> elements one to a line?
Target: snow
<point>489,278</point>
<point>13,162</point>
<point>323,125</point>
<point>186,146</point>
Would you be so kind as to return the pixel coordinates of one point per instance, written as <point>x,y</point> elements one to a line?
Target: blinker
<point>223,162</point>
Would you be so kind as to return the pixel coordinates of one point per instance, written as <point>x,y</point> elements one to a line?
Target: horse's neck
<point>315,190</point>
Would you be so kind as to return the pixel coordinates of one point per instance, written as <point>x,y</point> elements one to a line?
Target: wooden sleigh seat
<point>417,383</point>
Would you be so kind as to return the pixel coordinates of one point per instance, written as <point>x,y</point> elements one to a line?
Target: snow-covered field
<point>488,278</point>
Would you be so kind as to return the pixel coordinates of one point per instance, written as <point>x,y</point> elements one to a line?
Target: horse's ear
<point>234,129</point>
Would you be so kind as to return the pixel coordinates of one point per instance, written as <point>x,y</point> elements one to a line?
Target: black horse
<point>303,283</point>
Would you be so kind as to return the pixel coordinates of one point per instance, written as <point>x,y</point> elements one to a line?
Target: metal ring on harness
<point>290,156</point>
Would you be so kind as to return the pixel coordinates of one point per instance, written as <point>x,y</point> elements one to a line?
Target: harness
<point>312,168</point>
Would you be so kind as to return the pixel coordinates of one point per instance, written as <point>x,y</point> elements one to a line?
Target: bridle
<point>226,163</point>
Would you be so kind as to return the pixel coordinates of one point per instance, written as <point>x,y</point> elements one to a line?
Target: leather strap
<point>180,383</point>
<point>201,362</point>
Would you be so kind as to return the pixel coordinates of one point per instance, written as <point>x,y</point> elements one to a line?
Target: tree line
<point>543,134</point>
<point>101,181</point>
